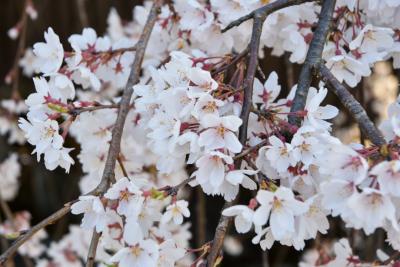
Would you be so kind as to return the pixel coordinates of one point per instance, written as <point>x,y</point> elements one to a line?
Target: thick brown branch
<point>124,105</point>
<point>352,105</point>
<point>265,11</point>
<point>251,72</point>
<point>313,58</point>
<point>28,234</point>
<point>247,104</point>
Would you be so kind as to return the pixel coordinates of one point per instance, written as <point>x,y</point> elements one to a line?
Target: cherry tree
<point>177,99</point>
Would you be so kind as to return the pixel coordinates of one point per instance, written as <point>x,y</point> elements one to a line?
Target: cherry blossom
<point>219,133</point>
<point>176,212</point>
<point>243,217</point>
<point>50,54</point>
<point>143,254</point>
<point>280,207</point>
<point>279,153</point>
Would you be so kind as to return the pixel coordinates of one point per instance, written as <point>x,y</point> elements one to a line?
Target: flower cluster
<point>193,120</point>
<point>130,218</point>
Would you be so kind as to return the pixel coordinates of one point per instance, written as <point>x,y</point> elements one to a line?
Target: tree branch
<point>124,104</point>
<point>247,104</point>
<point>235,60</point>
<point>353,106</point>
<point>108,174</point>
<point>78,111</point>
<point>93,249</point>
<point>265,11</point>
<point>15,72</point>
<point>251,149</point>
<point>28,234</point>
<point>313,58</point>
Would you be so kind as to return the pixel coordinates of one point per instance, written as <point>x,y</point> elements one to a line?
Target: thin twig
<point>7,211</point>
<point>265,11</point>
<point>313,58</point>
<point>93,249</point>
<point>172,191</point>
<point>15,72</point>
<point>393,257</point>
<point>28,234</point>
<point>122,166</point>
<point>78,111</point>
<point>121,50</point>
<point>251,149</point>
<point>353,106</point>
<point>235,60</point>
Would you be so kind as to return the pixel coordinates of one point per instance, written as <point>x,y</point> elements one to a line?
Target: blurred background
<point>43,192</point>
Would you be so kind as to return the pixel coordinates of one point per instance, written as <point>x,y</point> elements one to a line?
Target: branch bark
<point>265,11</point>
<point>124,104</point>
<point>91,257</point>
<point>108,174</point>
<point>258,16</point>
<point>313,58</point>
<point>247,103</point>
<point>353,106</point>
<point>27,235</point>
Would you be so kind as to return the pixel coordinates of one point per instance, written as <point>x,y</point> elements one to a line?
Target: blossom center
<point>305,147</point>
<point>375,199</point>
<point>136,250</point>
<point>124,195</point>
<point>210,107</point>
<point>49,132</point>
<point>221,131</point>
<point>277,204</point>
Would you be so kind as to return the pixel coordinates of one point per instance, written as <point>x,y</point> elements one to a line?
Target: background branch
<point>353,106</point>
<point>265,11</point>
<point>313,58</point>
<point>28,234</point>
<point>92,249</point>
<point>15,72</point>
